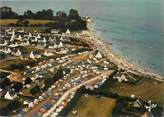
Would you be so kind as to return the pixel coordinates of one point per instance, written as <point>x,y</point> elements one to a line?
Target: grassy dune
<point>4,22</point>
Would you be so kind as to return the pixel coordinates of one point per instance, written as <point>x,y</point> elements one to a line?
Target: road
<point>66,94</point>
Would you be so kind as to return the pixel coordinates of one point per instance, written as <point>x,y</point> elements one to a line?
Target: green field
<point>92,106</point>
<point>146,89</point>
<point>5,22</point>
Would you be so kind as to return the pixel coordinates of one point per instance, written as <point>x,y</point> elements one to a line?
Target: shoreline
<point>97,42</point>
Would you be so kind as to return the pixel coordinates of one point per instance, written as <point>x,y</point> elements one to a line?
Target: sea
<point>134,27</point>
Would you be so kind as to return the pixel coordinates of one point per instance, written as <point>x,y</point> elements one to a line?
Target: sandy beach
<point>96,42</point>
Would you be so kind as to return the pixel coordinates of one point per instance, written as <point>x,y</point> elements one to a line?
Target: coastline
<point>96,42</point>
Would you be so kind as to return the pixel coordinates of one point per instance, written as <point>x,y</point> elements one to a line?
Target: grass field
<point>3,103</point>
<point>91,106</point>
<point>5,22</point>
<point>146,89</point>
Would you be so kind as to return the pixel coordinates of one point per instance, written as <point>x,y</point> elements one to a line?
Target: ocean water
<point>134,27</point>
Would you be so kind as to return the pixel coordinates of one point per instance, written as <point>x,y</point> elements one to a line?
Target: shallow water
<point>134,27</point>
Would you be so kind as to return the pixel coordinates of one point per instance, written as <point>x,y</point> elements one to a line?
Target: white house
<point>18,53</point>
<point>60,44</point>
<point>26,43</point>
<point>21,31</point>
<point>13,45</point>
<point>38,36</point>
<point>3,44</point>
<point>31,104</point>
<point>123,78</point>
<point>12,36</point>
<point>98,55</point>
<point>44,40</point>
<point>36,39</point>
<point>29,35</point>
<point>61,38</point>
<point>8,96</point>
<point>7,50</point>
<point>8,30</point>
<point>68,31</point>
<point>19,37</point>
<point>54,31</point>
<point>47,53</point>
<point>32,56</point>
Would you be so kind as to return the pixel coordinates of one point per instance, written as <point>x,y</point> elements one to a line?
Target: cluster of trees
<point>63,21</point>
<point>8,15</point>
<point>12,105</point>
<point>59,75</point>
<point>44,14</point>
<point>4,81</point>
<point>72,21</point>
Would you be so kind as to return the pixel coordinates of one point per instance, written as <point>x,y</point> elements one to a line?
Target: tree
<point>35,90</point>
<point>2,55</point>
<point>29,14</point>
<point>26,23</point>
<point>47,83</point>
<point>4,82</point>
<point>28,80</point>
<point>73,14</point>
<point>17,66</point>
<point>44,14</point>
<point>61,15</point>
<point>8,15</point>
<point>49,14</point>
<point>13,105</point>
<point>17,86</point>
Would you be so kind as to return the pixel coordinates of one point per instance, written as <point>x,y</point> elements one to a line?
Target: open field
<point>146,89</point>
<point>5,22</point>
<point>85,107</point>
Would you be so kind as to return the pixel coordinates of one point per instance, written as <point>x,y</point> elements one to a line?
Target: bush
<point>17,66</point>
<point>17,86</point>
<point>2,55</point>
